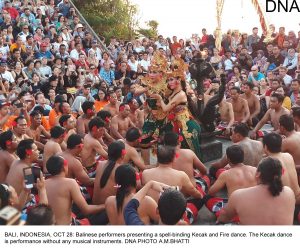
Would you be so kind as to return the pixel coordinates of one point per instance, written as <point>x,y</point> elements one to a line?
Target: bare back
<point>51,148</point>
<point>15,176</point>
<point>59,197</point>
<point>289,177</point>
<point>253,151</point>
<point>256,206</point>
<point>291,144</point>
<point>239,178</point>
<point>164,175</point>
<point>6,159</point>
<point>101,194</point>
<point>146,210</point>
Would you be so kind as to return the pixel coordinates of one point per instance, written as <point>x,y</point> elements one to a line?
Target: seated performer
<point>267,203</point>
<point>187,161</point>
<point>92,146</point>
<point>126,184</point>
<point>237,177</point>
<point>273,114</point>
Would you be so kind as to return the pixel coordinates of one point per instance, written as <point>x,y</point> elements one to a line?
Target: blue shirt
<point>258,77</point>
<point>46,54</point>
<point>131,216</point>
<point>108,76</point>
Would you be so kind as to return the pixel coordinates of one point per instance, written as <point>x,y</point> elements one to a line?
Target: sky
<point>185,17</point>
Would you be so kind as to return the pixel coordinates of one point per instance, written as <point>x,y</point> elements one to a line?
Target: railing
<point>87,25</point>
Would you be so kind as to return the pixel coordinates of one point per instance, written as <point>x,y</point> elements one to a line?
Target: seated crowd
<point>76,110</point>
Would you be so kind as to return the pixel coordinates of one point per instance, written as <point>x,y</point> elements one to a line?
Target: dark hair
<point>5,136</point>
<point>87,105</point>
<point>296,112</point>
<point>125,178</point>
<point>132,134</point>
<point>171,206</point>
<point>103,114</point>
<point>241,129</point>
<point>55,165</point>
<point>287,122</point>
<point>114,153</point>
<point>273,142</point>
<point>270,174</point>
<point>56,132</point>
<point>235,154</point>
<point>35,113</point>
<point>63,119</point>
<point>73,141</point>
<point>23,146</point>
<point>171,139</point>
<point>41,214</point>
<point>279,97</point>
<point>250,85</point>
<point>95,122</point>
<point>165,154</point>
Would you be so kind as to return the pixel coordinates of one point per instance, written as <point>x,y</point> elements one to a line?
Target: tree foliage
<point>110,17</point>
<point>151,31</point>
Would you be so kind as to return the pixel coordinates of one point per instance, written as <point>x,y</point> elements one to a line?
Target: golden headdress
<point>158,62</point>
<point>178,69</point>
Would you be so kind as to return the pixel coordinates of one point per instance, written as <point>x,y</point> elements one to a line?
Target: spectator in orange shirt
<point>54,113</point>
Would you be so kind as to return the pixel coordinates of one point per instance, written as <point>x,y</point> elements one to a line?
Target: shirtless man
<point>113,105</point>
<point>20,128</point>
<point>238,176</point>
<point>253,102</point>
<point>253,149</point>
<point>53,145</point>
<point>121,122</point>
<point>28,153</point>
<point>291,144</point>
<point>105,116</point>
<point>62,192</point>
<point>267,203</point>
<point>7,153</point>
<point>136,115</point>
<point>186,159</point>
<point>72,155</point>
<point>69,123</point>
<point>36,129</point>
<point>272,146</point>
<point>226,115</point>
<point>240,106</point>
<point>273,114</point>
<point>164,173</point>
<point>133,138</point>
<point>83,121</point>
<point>105,173</point>
<point>114,205</point>
<point>92,147</point>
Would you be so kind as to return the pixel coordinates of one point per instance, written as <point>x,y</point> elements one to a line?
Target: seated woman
<point>126,185</point>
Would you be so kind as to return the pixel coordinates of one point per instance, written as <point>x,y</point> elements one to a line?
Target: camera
<point>9,216</point>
